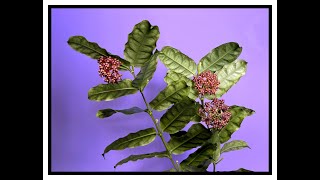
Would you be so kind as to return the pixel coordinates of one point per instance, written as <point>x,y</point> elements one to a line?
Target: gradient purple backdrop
<point>79,137</point>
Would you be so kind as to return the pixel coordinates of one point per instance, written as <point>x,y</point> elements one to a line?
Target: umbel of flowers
<point>192,95</point>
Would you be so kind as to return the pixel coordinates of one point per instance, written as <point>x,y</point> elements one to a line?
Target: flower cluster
<point>215,114</point>
<point>109,69</point>
<point>206,83</point>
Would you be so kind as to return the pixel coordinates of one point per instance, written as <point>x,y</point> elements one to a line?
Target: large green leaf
<point>108,92</point>
<point>141,43</point>
<point>219,56</point>
<point>178,62</point>
<point>229,75</point>
<point>142,156</point>
<point>93,50</point>
<point>196,136</point>
<point>178,134</point>
<point>200,156</point>
<point>172,77</point>
<point>234,145</point>
<point>215,140</point>
<point>173,93</point>
<point>179,115</point>
<point>238,113</point>
<point>109,112</point>
<point>140,138</point>
<point>146,73</point>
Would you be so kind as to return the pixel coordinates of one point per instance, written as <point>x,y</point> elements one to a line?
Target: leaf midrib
<point>239,146</point>
<point>90,48</point>
<point>113,90</point>
<point>198,155</point>
<point>179,63</point>
<point>153,133</point>
<point>166,97</point>
<point>185,141</point>
<point>175,118</point>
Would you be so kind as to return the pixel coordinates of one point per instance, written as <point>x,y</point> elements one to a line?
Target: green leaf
<point>178,134</point>
<point>228,76</point>
<point>146,73</point>
<point>108,92</point>
<point>179,115</point>
<point>109,112</point>
<point>234,145</point>
<point>193,169</point>
<point>171,170</point>
<point>142,156</point>
<point>199,157</point>
<point>196,136</point>
<point>173,93</point>
<point>219,56</point>
<point>141,43</point>
<point>93,50</point>
<point>178,62</point>
<point>215,140</point>
<point>238,113</point>
<point>140,138</point>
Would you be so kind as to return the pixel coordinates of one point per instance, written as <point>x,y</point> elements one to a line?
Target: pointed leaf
<point>234,145</point>
<point>199,157</point>
<point>146,73</point>
<point>108,92</point>
<point>228,76</point>
<point>141,43</point>
<point>238,113</point>
<point>173,93</point>
<point>179,115</point>
<point>140,138</point>
<point>109,112</point>
<point>142,156</point>
<point>196,135</point>
<point>93,50</point>
<point>178,62</point>
<point>219,56</point>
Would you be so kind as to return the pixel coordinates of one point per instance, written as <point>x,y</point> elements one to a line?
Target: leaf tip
<point>103,156</point>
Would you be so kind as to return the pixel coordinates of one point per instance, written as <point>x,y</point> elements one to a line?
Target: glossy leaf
<point>140,138</point>
<point>179,115</point>
<point>146,73</point>
<point>109,112</point>
<point>229,75</point>
<point>173,93</point>
<point>196,136</point>
<point>93,50</point>
<point>177,62</point>
<point>238,113</point>
<point>219,56</point>
<point>200,156</point>
<point>142,156</point>
<point>108,92</point>
<point>141,43</point>
<point>234,145</point>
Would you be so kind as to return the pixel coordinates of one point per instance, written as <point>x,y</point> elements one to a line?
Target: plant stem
<point>202,105</point>
<point>159,130</point>
<point>214,167</point>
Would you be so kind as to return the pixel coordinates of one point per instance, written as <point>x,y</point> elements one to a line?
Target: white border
<point>163,2</point>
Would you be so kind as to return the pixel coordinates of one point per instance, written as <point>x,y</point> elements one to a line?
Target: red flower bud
<point>109,69</point>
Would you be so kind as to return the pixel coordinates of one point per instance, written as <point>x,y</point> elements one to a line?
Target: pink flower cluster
<point>206,83</point>
<point>109,69</point>
<point>215,114</point>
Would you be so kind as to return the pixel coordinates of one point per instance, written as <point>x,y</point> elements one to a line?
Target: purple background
<point>79,138</point>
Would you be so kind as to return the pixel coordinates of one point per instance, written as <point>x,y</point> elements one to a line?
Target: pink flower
<point>206,83</point>
<point>215,114</point>
<point>109,69</point>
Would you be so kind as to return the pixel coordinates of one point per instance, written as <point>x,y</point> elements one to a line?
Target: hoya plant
<point>192,95</point>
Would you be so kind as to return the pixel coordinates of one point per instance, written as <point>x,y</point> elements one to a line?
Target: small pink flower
<point>215,114</point>
<point>206,83</point>
<point>109,69</point>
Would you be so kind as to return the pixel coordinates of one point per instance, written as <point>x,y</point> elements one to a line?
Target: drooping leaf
<point>173,93</point>
<point>146,73</point>
<point>140,138</point>
<point>93,50</point>
<point>178,62</point>
<point>219,56</point>
<point>172,77</point>
<point>238,113</point>
<point>142,156</point>
<point>141,43</point>
<point>109,112</point>
<point>179,115</point>
<point>228,76</point>
<point>234,145</point>
<point>200,156</point>
<point>196,135</point>
<point>108,92</point>
<point>178,134</point>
